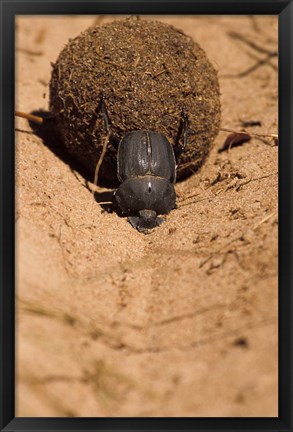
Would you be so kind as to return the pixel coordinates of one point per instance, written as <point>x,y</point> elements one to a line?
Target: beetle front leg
<point>185,127</point>
<point>102,109</point>
<point>182,134</point>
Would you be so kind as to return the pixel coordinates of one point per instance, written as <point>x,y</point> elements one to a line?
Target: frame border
<point>8,10</point>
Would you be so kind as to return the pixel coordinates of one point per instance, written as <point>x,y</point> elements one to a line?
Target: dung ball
<point>148,73</point>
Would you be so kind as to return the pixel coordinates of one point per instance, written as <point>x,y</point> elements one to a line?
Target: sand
<point>180,322</point>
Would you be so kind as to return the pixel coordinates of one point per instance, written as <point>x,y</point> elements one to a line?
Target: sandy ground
<point>183,321</point>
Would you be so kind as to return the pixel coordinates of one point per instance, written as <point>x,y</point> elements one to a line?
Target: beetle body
<point>146,168</point>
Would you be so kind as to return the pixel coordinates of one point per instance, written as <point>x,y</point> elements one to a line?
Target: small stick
<point>255,179</point>
<point>251,44</point>
<point>193,202</point>
<point>98,166</point>
<point>189,196</point>
<point>249,133</point>
<point>31,117</point>
<point>109,62</point>
<point>30,52</point>
<point>264,220</point>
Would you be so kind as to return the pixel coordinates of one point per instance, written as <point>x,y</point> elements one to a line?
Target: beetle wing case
<point>143,153</point>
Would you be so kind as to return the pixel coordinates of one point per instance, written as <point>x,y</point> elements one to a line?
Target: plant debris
<point>235,139</point>
<point>250,123</point>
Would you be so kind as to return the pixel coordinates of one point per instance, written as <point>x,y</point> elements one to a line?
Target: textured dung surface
<point>148,72</point>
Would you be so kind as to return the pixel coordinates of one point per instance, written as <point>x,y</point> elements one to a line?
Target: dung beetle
<point>146,168</point>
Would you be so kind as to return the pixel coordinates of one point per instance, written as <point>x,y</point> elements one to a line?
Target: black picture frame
<point>9,9</point>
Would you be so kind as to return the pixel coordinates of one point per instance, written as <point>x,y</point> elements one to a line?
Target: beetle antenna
<point>182,131</point>
<point>185,126</point>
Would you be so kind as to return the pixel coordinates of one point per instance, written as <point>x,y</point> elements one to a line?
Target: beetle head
<point>146,220</point>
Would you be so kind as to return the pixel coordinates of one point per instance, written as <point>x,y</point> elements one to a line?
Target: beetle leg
<point>185,127</point>
<point>182,132</point>
<point>102,108</point>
